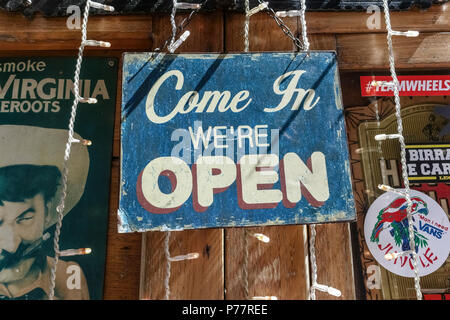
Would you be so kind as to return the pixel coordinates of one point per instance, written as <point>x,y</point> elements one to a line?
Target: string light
<point>290,13</point>
<point>264,298</point>
<point>96,43</point>
<point>314,285</point>
<point>101,6</point>
<point>174,46</point>
<point>382,137</point>
<point>407,195</point>
<point>330,290</point>
<point>258,8</point>
<point>70,139</point>
<point>375,83</point>
<point>261,237</point>
<point>408,33</point>
<point>84,142</point>
<point>75,252</point>
<point>395,255</point>
<point>188,256</point>
<point>184,5</point>
<point>390,189</point>
<point>87,100</point>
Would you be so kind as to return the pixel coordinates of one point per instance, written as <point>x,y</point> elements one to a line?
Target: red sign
<point>409,86</point>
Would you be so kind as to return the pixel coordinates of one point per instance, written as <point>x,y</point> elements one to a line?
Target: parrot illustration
<point>394,217</point>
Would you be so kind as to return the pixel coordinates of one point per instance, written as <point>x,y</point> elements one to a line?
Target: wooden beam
<point>123,252</point>
<point>201,278</point>
<point>277,268</point>
<point>434,19</point>
<point>369,51</point>
<point>39,33</point>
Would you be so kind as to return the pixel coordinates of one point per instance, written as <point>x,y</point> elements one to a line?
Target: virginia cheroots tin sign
<point>222,140</point>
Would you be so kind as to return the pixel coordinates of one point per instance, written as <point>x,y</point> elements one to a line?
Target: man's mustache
<point>7,259</point>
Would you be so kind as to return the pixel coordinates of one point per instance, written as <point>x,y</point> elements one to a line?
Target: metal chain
<point>60,208</point>
<point>402,150</point>
<point>297,42</point>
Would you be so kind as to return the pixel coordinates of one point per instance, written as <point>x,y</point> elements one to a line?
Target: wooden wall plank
<point>277,268</point>
<point>369,51</point>
<point>39,33</point>
<point>434,19</point>
<point>333,240</point>
<point>123,252</point>
<point>265,35</point>
<point>201,278</point>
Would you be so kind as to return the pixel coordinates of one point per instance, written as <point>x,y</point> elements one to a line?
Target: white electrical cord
<point>70,140</point>
<point>401,139</point>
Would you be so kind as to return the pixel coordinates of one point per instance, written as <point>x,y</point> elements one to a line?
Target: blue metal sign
<point>220,140</point>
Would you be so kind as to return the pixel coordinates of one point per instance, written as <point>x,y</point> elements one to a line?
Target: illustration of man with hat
<point>31,160</point>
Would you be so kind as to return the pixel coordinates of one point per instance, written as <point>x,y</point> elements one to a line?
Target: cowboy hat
<point>20,145</point>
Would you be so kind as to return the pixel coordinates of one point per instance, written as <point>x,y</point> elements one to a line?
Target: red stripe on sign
<point>372,86</point>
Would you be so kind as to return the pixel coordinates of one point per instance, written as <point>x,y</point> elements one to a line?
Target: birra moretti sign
<point>213,140</point>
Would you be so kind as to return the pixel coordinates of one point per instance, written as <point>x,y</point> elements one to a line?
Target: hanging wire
<point>245,265</point>
<point>312,258</point>
<point>303,22</point>
<point>168,265</point>
<point>70,140</point>
<point>173,23</point>
<point>401,139</point>
<point>246,26</point>
<point>181,27</point>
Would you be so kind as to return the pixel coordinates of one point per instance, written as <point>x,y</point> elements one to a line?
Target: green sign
<point>36,96</point>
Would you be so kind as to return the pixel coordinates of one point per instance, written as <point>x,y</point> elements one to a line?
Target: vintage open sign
<point>217,140</point>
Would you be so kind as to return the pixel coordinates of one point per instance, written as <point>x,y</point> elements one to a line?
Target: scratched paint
<point>225,140</point>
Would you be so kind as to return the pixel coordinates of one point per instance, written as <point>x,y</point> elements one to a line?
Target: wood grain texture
<point>200,278</point>
<point>264,33</point>
<point>278,268</point>
<point>334,260</point>
<point>435,19</point>
<point>333,243</point>
<point>369,51</point>
<point>39,33</point>
<point>123,252</point>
